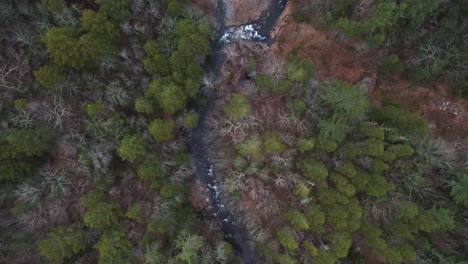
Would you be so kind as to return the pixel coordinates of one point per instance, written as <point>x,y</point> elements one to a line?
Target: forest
<point>99,101</point>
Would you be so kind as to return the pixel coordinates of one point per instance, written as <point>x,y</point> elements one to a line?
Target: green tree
<point>378,186</point>
<point>132,148</point>
<point>304,145</point>
<point>237,107</point>
<point>100,214</point>
<point>314,170</point>
<point>333,129</point>
<point>302,190</point>
<point>62,243</point>
<point>162,130</point>
<point>190,120</point>
<point>189,245</point>
<point>299,70</point>
<point>404,121</point>
<point>144,105</point>
<point>49,76</point>
<point>287,240</point>
<point>459,190</point>
<point>150,171</point>
<point>316,218</point>
<point>272,143</point>
<point>296,219</point>
<point>118,10</point>
<point>113,247</point>
<point>350,103</point>
<point>171,98</point>
<point>407,212</point>
<point>252,147</point>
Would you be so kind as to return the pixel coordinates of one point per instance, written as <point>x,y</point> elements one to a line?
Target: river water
<point>258,30</point>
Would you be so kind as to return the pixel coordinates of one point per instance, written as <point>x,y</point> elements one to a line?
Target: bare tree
<point>274,66</point>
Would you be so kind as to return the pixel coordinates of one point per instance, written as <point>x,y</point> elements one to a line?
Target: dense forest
<point>99,99</point>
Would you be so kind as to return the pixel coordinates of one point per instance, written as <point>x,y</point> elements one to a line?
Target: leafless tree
<point>57,113</point>
<point>274,66</point>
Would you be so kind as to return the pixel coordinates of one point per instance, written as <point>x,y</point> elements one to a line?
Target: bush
<point>132,148</point>
<point>302,190</point>
<point>162,130</point>
<point>134,213</point>
<point>237,107</point>
<point>62,243</point>
<point>299,70</point>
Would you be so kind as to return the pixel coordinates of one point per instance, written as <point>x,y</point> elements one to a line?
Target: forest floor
<point>351,61</point>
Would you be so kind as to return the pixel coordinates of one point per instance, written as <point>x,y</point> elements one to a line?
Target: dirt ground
<point>352,61</point>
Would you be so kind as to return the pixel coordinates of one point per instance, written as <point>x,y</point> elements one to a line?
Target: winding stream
<point>258,30</point>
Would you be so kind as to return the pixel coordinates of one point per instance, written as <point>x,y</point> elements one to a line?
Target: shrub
<point>162,130</point>
<point>237,107</point>
<point>302,190</point>
<point>62,243</point>
<point>313,170</point>
<point>134,212</point>
<point>299,70</point>
<point>132,148</point>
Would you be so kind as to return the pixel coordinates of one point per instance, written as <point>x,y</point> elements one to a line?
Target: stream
<point>258,30</point>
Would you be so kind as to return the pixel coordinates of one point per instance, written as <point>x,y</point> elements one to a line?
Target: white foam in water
<point>244,32</point>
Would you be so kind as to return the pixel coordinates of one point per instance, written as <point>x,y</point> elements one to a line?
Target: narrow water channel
<point>258,30</point>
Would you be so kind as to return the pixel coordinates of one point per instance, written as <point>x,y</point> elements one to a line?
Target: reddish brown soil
<point>244,11</point>
<point>447,116</point>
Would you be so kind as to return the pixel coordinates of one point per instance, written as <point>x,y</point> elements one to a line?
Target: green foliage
<point>134,212</point>
<point>333,129</point>
<point>21,103</point>
<point>299,70</point>
<point>343,185</point>
<point>113,247</point>
<point>327,146</point>
<point>351,151</point>
<point>144,105</point>
<point>314,170</point>
<point>237,107</point>
<point>296,219</point>
<point>349,103</point>
<point>132,148</point>
<point>370,130</point>
<point>378,186</point>
<point>444,219</point>
<point>62,243</point>
<point>347,169</point>
<point>459,189</point>
<point>316,218</point>
<point>84,47</point>
<point>100,214</point>
<point>49,76</point>
<point>373,147</point>
<point>272,143</point>
<point>378,166</point>
<point>189,245</point>
<point>153,254</point>
<point>393,64</point>
<point>23,142</point>
<point>118,10</point>
<point>305,145</point>
<point>302,190</point>
<point>372,236</point>
<point>171,98</point>
<point>407,212</point>
<point>190,120</point>
<point>252,147</point>
<point>53,5</point>
<point>150,171</point>
<point>340,244</point>
<point>402,151</point>
<point>162,130</point>
<point>396,117</point>
<point>287,240</point>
